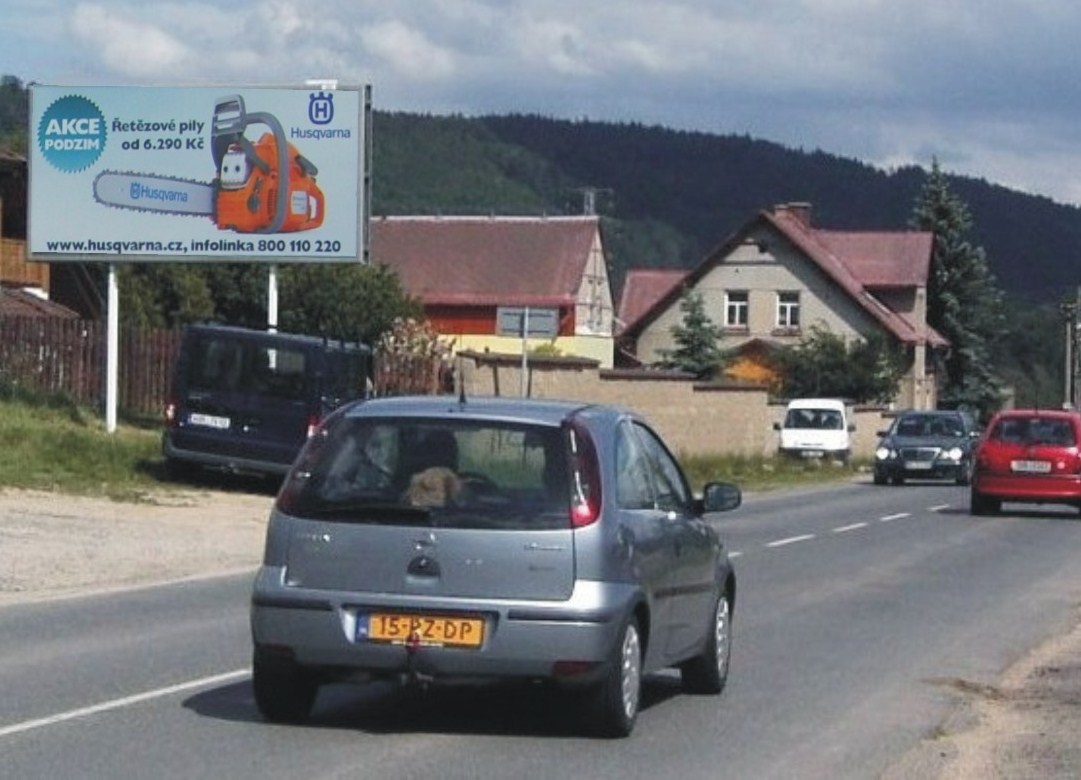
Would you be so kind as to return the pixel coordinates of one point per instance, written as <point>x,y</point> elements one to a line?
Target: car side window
<point>672,491</point>
<point>633,487</point>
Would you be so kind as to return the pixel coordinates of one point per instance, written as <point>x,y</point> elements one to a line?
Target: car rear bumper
<point>319,630</point>
<point>223,462</point>
<point>1027,488</point>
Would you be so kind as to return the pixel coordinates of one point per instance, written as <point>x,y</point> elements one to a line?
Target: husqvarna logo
<point>321,108</point>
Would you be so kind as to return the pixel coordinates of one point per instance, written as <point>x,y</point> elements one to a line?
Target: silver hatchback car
<point>437,538</point>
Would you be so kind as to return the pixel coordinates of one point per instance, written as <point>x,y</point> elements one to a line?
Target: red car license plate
<point>1031,466</point>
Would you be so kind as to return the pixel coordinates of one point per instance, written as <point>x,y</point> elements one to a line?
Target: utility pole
<point>589,199</point>
<point>1070,312</point>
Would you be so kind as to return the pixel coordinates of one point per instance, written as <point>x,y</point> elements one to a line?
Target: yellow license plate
<point>430,630</point>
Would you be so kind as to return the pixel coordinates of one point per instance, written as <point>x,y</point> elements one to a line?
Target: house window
<point>735,308</point>
<point>788,310</point>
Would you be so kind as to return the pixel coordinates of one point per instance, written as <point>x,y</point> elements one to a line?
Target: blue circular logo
<point>71,134</point>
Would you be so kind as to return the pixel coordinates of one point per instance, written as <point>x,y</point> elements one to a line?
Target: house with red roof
<point>778,276</point>
<point>475,275</point>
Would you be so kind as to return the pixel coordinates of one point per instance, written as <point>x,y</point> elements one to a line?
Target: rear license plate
<point>209,421</point>
<point>1031,466</point>
<point>430,630</point>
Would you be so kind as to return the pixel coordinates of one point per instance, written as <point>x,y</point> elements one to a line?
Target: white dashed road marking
<point>897,516</point>
<point>791,540</point>
<point>846,528</point>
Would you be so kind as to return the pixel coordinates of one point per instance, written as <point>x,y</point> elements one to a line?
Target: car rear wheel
<point>708,672</point>
<point>981,504</point>
<point>617,698</point>
<point>284,693</point>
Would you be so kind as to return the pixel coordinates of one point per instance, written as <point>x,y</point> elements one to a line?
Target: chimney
<point>801,212</point>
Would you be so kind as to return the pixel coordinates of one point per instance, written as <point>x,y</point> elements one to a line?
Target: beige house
<point>778,276</point>
<point>470,272</point>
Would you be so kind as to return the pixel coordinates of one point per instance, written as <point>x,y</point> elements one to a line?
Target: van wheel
<point>617,698</point>
<point>180,470</point>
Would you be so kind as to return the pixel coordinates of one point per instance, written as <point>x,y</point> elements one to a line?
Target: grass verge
<point>53,444</point>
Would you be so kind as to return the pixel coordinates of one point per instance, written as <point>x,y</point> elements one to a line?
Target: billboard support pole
<point>272,298</point>
<point>112,349</point>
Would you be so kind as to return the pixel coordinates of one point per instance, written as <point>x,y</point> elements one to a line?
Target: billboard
<point>198,173</point>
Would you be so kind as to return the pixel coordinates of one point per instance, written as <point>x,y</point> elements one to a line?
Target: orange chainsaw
<point>265,187</point>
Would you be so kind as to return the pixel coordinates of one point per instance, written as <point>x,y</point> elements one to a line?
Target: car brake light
<point>585,479</point>
<point>313,425</point>
<point>170,414</point>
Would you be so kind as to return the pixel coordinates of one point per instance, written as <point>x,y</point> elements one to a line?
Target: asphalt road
<point>858,609</point>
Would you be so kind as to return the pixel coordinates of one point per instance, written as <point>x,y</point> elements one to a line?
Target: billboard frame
<point>362,187</point>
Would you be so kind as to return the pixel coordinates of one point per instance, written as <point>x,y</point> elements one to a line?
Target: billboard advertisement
<point>197,173</point>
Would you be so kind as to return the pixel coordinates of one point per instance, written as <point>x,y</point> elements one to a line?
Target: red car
<point>1028,456</point>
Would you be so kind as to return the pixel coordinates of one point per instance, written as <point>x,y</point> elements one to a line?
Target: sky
<point>988,88</point>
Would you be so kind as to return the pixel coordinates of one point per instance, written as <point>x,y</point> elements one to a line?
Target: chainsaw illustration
<point>261,187</point>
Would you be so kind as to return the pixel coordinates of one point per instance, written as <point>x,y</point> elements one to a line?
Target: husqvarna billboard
<point>198,173</point>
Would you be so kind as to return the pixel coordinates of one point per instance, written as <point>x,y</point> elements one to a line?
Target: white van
<point>816,428</point>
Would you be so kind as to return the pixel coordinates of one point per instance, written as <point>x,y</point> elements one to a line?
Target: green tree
<point>698,349</point>
<point>824,364</point>
<point>964,303</point>
<point>352,302</point>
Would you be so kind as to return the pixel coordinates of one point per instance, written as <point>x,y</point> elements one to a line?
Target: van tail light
<point>585,479</point>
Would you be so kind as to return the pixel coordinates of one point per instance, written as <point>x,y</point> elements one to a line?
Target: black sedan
<point>926,445</point>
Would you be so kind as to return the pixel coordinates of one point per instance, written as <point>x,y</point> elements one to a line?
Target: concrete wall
<point>693,417</point>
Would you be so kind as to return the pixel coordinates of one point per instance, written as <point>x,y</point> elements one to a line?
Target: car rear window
<point>1034,430</point>
<point>498,475</point>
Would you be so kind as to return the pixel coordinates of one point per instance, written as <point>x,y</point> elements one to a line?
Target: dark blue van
<point>245,400</point>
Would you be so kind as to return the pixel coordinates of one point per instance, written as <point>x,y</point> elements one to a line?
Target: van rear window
<point>234,366</point>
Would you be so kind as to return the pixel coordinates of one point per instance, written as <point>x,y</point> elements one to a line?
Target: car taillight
<point>585,479</point>
<point>296,481</point>
<point>313,425</point>
<point>170,414</point>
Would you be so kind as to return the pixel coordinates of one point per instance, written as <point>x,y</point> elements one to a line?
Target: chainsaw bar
<point>154,193</point>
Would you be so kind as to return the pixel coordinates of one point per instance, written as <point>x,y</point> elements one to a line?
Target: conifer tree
<point>964,303</point>
<point>698,350</point>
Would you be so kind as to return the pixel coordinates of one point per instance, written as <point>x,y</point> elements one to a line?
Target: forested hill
<point>667,197</point>
<point>671,196</point>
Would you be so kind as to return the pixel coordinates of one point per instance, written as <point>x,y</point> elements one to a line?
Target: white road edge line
<point>734,554</point>
<point>790,540</point>
<point>939,508</point>
<point>846,528</point>
<point>897,516</point>
<point>115,704</point>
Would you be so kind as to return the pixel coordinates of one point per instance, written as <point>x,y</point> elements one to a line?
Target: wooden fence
<point>67,357</point>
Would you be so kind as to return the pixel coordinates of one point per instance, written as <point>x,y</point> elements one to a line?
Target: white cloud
<point>989,86</point>
<point>127,47</point>
<point>407,51</point>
